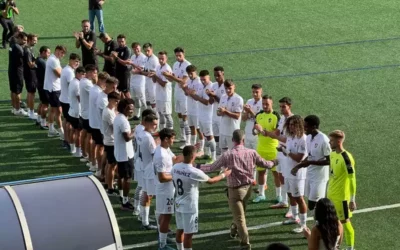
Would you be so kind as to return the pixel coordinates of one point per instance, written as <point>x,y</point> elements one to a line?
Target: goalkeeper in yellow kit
<point>342,184</point>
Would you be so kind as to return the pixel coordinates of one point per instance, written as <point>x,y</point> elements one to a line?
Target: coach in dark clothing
<point>86,40</point>
<point>96,11</point>
<point>109,46</point>
<point>16,72</point>
<point>122,66</point>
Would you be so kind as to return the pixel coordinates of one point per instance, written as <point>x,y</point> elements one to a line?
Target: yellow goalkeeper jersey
<point>342,176</point>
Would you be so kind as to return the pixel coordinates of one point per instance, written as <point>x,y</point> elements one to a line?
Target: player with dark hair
<point>146,148</point>
<point>122,68</point>
<point>109,46</point>
<point>30,74</point>
<point>163,161</point>
<point>16,73</point>
<point>138,80</point>
<point>180,77</point>
<point>150,66</point>
<point>44,53</point>
<point>123,149</point>
<point>250,110</point>
<point>52,85</point>
<point>75,112</point>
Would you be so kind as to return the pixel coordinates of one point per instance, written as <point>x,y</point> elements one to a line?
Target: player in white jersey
<point>186,180</point>
<point>230,110</point>
<point>205,113</point>
<point>85,85</point>
<point>146,147</point>
<point>95,122</point>
<point>218,90</point>
<point>67,75</point>
<point>75,111</point>
<point>138,80</point>
<point>180,77</point>
<point>285,105</point>
<point>109,86</point>
<point>295,151</point>
<point>123,149</point>
<point>317,162</point>
<point>108,116</point>
<point>163,92</point>
<point>250,110</point>
<point>150,65</point>
<point>139,173</point>
<point>163,161</point>
<point>194,85</point>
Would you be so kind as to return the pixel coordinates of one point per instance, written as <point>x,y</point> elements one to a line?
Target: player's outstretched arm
<point>219,177</point>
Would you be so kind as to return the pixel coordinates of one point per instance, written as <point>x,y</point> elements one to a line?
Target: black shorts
<point>43,97</point>
<point>110,154</point>
<point>31,83</point>
<point>97,136</point>
<point>124,79</point>
<point>16,81</point>
<point>125,169</point>
<point>65,109</point>
<point>85,125</point>
<point>54,98</point>
<point>75,122</point>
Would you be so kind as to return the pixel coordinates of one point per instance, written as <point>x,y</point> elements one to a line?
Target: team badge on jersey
<point>269,120</point>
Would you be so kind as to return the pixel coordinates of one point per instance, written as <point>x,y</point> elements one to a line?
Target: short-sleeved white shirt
<point>192,104</point>
<point>108,117</point>
<point>163,94</point>
<point>51,81</point>
<point>318,148</point>
<point>138,163</point>
<point>281,127</point>
<point>163,162</point>
<point>123,150</point>
<point>179,70</point>
<point>73,94</point>
<point>256,106</point>
<point>84,88</point>
<point>295,146</point>
<point>67,75</point>
<point>150,64</point>
<point>146,147</point>
<point>205,111</point>
<point>219,91</point>
<point>101,104</point>
<point>94,113</point>
<point>232,104</point>
<point>186,180</point>
<point>138,60</point>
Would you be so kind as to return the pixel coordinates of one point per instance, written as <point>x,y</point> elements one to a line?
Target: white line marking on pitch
<point>274,224</point>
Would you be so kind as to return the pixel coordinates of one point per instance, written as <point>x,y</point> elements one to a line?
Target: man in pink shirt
<point>242,162</point>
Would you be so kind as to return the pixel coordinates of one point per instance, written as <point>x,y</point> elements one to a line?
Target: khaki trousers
<point>238,198</point>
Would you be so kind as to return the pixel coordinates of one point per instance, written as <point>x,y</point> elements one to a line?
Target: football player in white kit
<point>146,147</point>
<point>250,110</point>
<point>150,65</point>
<point>163,161</point>
<point>138,80</point>
<point>163,92</point>
<point>180,77</point>
<point>218,90</point>
<point>186,180</point>
<point>230,110</point>
<point>138,176</point>
<point>285,105</point>
<point>317,162</point>
<point>205,113</point>
<point>295,151</point>
<point>194,85</point>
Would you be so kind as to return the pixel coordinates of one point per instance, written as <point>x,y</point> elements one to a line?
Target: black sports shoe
<point>44,127</point>
<point>149,227</point>
<point>23,105</point>
<point>127,206</point>
<point>113,193</point>
<point>135,118</point>
<point>37,123</point>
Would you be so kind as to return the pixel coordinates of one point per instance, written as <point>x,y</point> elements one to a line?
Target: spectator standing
<point>96,11</point>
